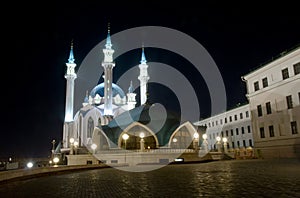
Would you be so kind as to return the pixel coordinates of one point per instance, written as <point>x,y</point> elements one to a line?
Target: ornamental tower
<point>70,77</point>
<point>143,77</point>
<point>108,66</point>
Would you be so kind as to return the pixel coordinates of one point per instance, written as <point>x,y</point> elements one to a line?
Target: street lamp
<point>56,160</point>
<point>204,136</point>
<point>125,137</point>
<point>196,136</point>
<point>224,139</point>
<point>94,146</point>
<point>72,144</point>
<point>218,138</point>
<point>76,145</point>
<point>53,147</point>
<point>142,135</point>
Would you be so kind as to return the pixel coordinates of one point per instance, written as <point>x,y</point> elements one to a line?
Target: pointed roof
<point>143,59</point>
<point>108,44</point>
<point>71,56</point>
<point>130,89</point>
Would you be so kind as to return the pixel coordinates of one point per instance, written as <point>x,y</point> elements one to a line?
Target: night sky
<point>37,37</point>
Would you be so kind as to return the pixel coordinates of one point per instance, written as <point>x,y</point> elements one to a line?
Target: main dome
<point>99,89</point>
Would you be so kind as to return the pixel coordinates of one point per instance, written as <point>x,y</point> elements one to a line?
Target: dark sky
<point>37,36</point>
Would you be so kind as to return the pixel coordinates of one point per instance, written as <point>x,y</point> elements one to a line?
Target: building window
<point>221,121</point>
<point>262,132</point>
<point>241,115</point>
<point>225,120</point>
<point>259,110</point>
<point>244,143</point>
<point>271,131</point>
<point>243,130</point>
<point>216,122</point>
<point>268,107</point>
<point>90,127</point>
<point>265,82</point>
<point>247,114</point>
<point>213,123</point>
<point>285,73</point>
<point>299,97</point>
<point>297,68</point>
<point>232,144</point>
<point>226,133</point>
<point>222,134</point>
<point>238,143</point>
<point>230,119</point>
<point>294,127</point>
<point>237,131</point>
<point>235,117</point>
<point>256,86</point>
<point>289,102</point>
<point>250,142</point>
<point>231,131</point>
<point>249,129</point>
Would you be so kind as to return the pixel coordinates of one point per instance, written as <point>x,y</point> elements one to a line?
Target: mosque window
<point>271,131</point>
<point>90,127</point>
<point>294,127</point>
<point>289,102</point>
<point>262,132</point>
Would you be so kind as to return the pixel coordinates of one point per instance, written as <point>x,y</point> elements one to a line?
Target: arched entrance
<point>138,133</point>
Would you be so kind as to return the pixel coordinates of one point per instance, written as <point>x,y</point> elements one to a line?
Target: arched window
<point>90,128</point>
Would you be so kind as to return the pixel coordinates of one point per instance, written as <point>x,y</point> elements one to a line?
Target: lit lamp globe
<point>196,135</point>
<point>204,136</point>
<point>76,143</point>
<point>218,138</point>
<point>94,146</point>
<point>142,135</point>
<point>72,140</point>
<point>224,139</point>
<point>174,139</point>
<point>125,136</point>
<point>56,160</point>
<point>29,165</point>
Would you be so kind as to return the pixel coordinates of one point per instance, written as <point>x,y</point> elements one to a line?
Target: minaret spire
<point>143,77</point>
<point>70,77</point>
<point>108,65</point>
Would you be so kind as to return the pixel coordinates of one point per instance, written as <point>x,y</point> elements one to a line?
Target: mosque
<point>110,121</point>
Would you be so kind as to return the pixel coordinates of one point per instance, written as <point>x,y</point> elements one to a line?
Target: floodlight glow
<point>29,165</point>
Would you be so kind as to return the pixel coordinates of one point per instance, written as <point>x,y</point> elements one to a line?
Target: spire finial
<point>108,40</point>
<point>71,56</point>
<point>130,89</point>
<point>143,59</point>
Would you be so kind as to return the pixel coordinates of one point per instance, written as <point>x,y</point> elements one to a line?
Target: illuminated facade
<point>234,124</point>
<point>273,92</point>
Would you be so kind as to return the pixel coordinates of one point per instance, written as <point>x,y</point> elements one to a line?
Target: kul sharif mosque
<point>107,113</point>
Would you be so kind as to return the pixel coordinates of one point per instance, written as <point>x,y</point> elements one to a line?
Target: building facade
<point>273,92</point>
<point>234,124</point>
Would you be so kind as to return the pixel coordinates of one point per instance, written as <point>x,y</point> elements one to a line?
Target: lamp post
<point>94,146</point>
<point>204,136</point>
<point>142,142</point>
<point>76,146</point>
<point>196,137</point>
<point>125,137</point>
<point>225,144</point>
<point>53,148</point>
<point>56,160</point>
<point>72,145</point>
<point>218,138</point>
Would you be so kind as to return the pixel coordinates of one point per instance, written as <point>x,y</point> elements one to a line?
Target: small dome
<point>99,89</point>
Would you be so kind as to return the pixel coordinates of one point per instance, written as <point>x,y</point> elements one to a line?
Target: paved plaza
<point>233,178</point>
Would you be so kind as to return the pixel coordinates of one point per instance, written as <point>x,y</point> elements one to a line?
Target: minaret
<point>131,102</point>
<point>70,76</point>
<point>143,77</point>
<point>108,65</point>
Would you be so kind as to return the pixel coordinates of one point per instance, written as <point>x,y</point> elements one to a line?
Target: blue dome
<point>99,89</point>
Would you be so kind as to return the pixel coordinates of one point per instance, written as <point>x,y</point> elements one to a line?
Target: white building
<point>234,124</point>
<point>273,92</point>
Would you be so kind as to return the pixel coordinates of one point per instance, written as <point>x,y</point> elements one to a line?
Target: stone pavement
<point>232,178</point>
